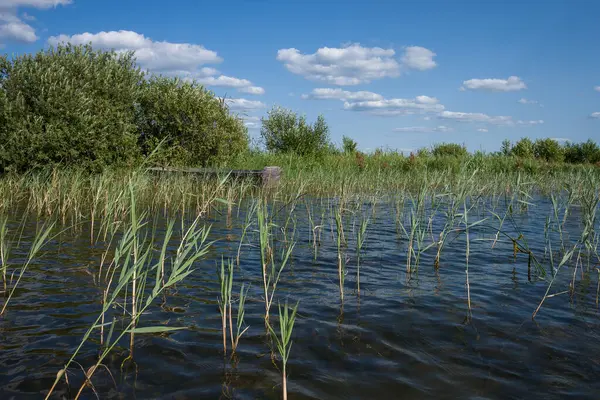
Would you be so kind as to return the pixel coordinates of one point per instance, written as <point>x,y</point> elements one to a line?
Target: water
<point>401,338</point>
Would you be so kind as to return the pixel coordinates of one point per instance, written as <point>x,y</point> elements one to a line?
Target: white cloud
<point>244,104</point>
<point>513,83</point>
<point>252,90</point>
<point>534,122</point>
<point>476,117</point>
<point>424,129</point>
<point>390,107</point>
<point>339,94</point>
<point>418,58</point>
<point>354,64</point>
<point>595,114</point>
<point>350,65</point>
<point>13,28</point>
<point>34,3</point>
<point>482,130</point>
<point>156,56</point>
<point>526,101</point>
<point>176,59</point>
<point>597,88</point>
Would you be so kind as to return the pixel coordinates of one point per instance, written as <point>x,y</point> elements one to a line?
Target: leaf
<point>155,329</point>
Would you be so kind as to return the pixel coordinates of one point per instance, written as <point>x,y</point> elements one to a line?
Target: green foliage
<point>74,106</point>
<point>349,145</point>
<point>506,147</point>
<point>449,149</point>
<point>548,150</point>
<point>70,105</point>
<point>524,148</point>
<point>283,131</point>
<point>579,153</point>
<point>196,127</point>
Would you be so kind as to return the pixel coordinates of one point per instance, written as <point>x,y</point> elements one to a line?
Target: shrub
<point>523,148</point>
<point>283,131</point>
<point>196,127</point>
<point>548,150</point>
<point>349,145</point>
<point>506,147</point>
<point>449,149</point>
<point>70,105</point>
<point>578,153</point>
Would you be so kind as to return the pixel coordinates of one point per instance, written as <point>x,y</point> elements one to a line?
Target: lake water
<point>401,339</point>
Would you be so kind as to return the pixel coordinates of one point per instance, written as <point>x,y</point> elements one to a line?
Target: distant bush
<point>283,131</point>
<point>523,148</point>
<point>195,126</point>
<point>579,153</point>
<point>449,150</point>
<point>69,105</point>
<point>548,150</point>
<point>349,145</point>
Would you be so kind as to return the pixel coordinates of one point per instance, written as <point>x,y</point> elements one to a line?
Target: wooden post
<point>270,176</point>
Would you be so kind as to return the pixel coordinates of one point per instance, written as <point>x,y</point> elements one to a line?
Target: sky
<point>397,75</point>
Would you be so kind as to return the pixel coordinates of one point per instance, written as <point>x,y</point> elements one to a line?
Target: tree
<point>349,145</point>
<point>449,149</point>
<point>69,105</point>
<point>548,150</point>
<point>283,131</point>
<point>195,127</point>
<point>506,147</point>
<point>523,148</point>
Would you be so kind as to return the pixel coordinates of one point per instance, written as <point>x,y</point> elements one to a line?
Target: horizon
<point>388,75</point>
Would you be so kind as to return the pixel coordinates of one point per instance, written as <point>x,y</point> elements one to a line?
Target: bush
<point>579,153</point>
<point>548,150</point>
<point>68,105</point>
<point>449,150</point>
<point>523,148</point>
<point>283,131</point>
<point>195,126</point>
<point>349,145</point>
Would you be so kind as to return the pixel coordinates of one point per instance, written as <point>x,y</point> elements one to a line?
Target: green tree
<point>349,145</point>
<point>449,149</point>
<point>68,105</point>
<point>548,150</point>
<point>506,147</point>
<point>523,148</point>
<point>283,131</point>
<point>195,127</point>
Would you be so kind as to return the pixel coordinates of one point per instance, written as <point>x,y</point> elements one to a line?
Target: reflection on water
<point>402,338</point>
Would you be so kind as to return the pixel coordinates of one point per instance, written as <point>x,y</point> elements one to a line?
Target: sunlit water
<point>401,339</point>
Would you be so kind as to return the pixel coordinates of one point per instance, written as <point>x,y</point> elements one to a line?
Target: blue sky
<point>393,74</point>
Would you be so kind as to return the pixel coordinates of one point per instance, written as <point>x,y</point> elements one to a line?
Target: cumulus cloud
<point>390,107</point>
<point>176,59</point>
<point>339,94</point>
<point>353,64</point>
<point>244,104</point>
<point>13,28</point>
<point>513,83</point>
<point>595,115</point>
<point>424,129</point>
<point>482,130</point>
<point>418,58</point>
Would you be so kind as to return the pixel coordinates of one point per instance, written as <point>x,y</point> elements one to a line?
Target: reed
<point>283,340</point>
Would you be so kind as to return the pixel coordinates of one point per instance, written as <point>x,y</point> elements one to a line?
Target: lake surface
<point>401,339</point>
